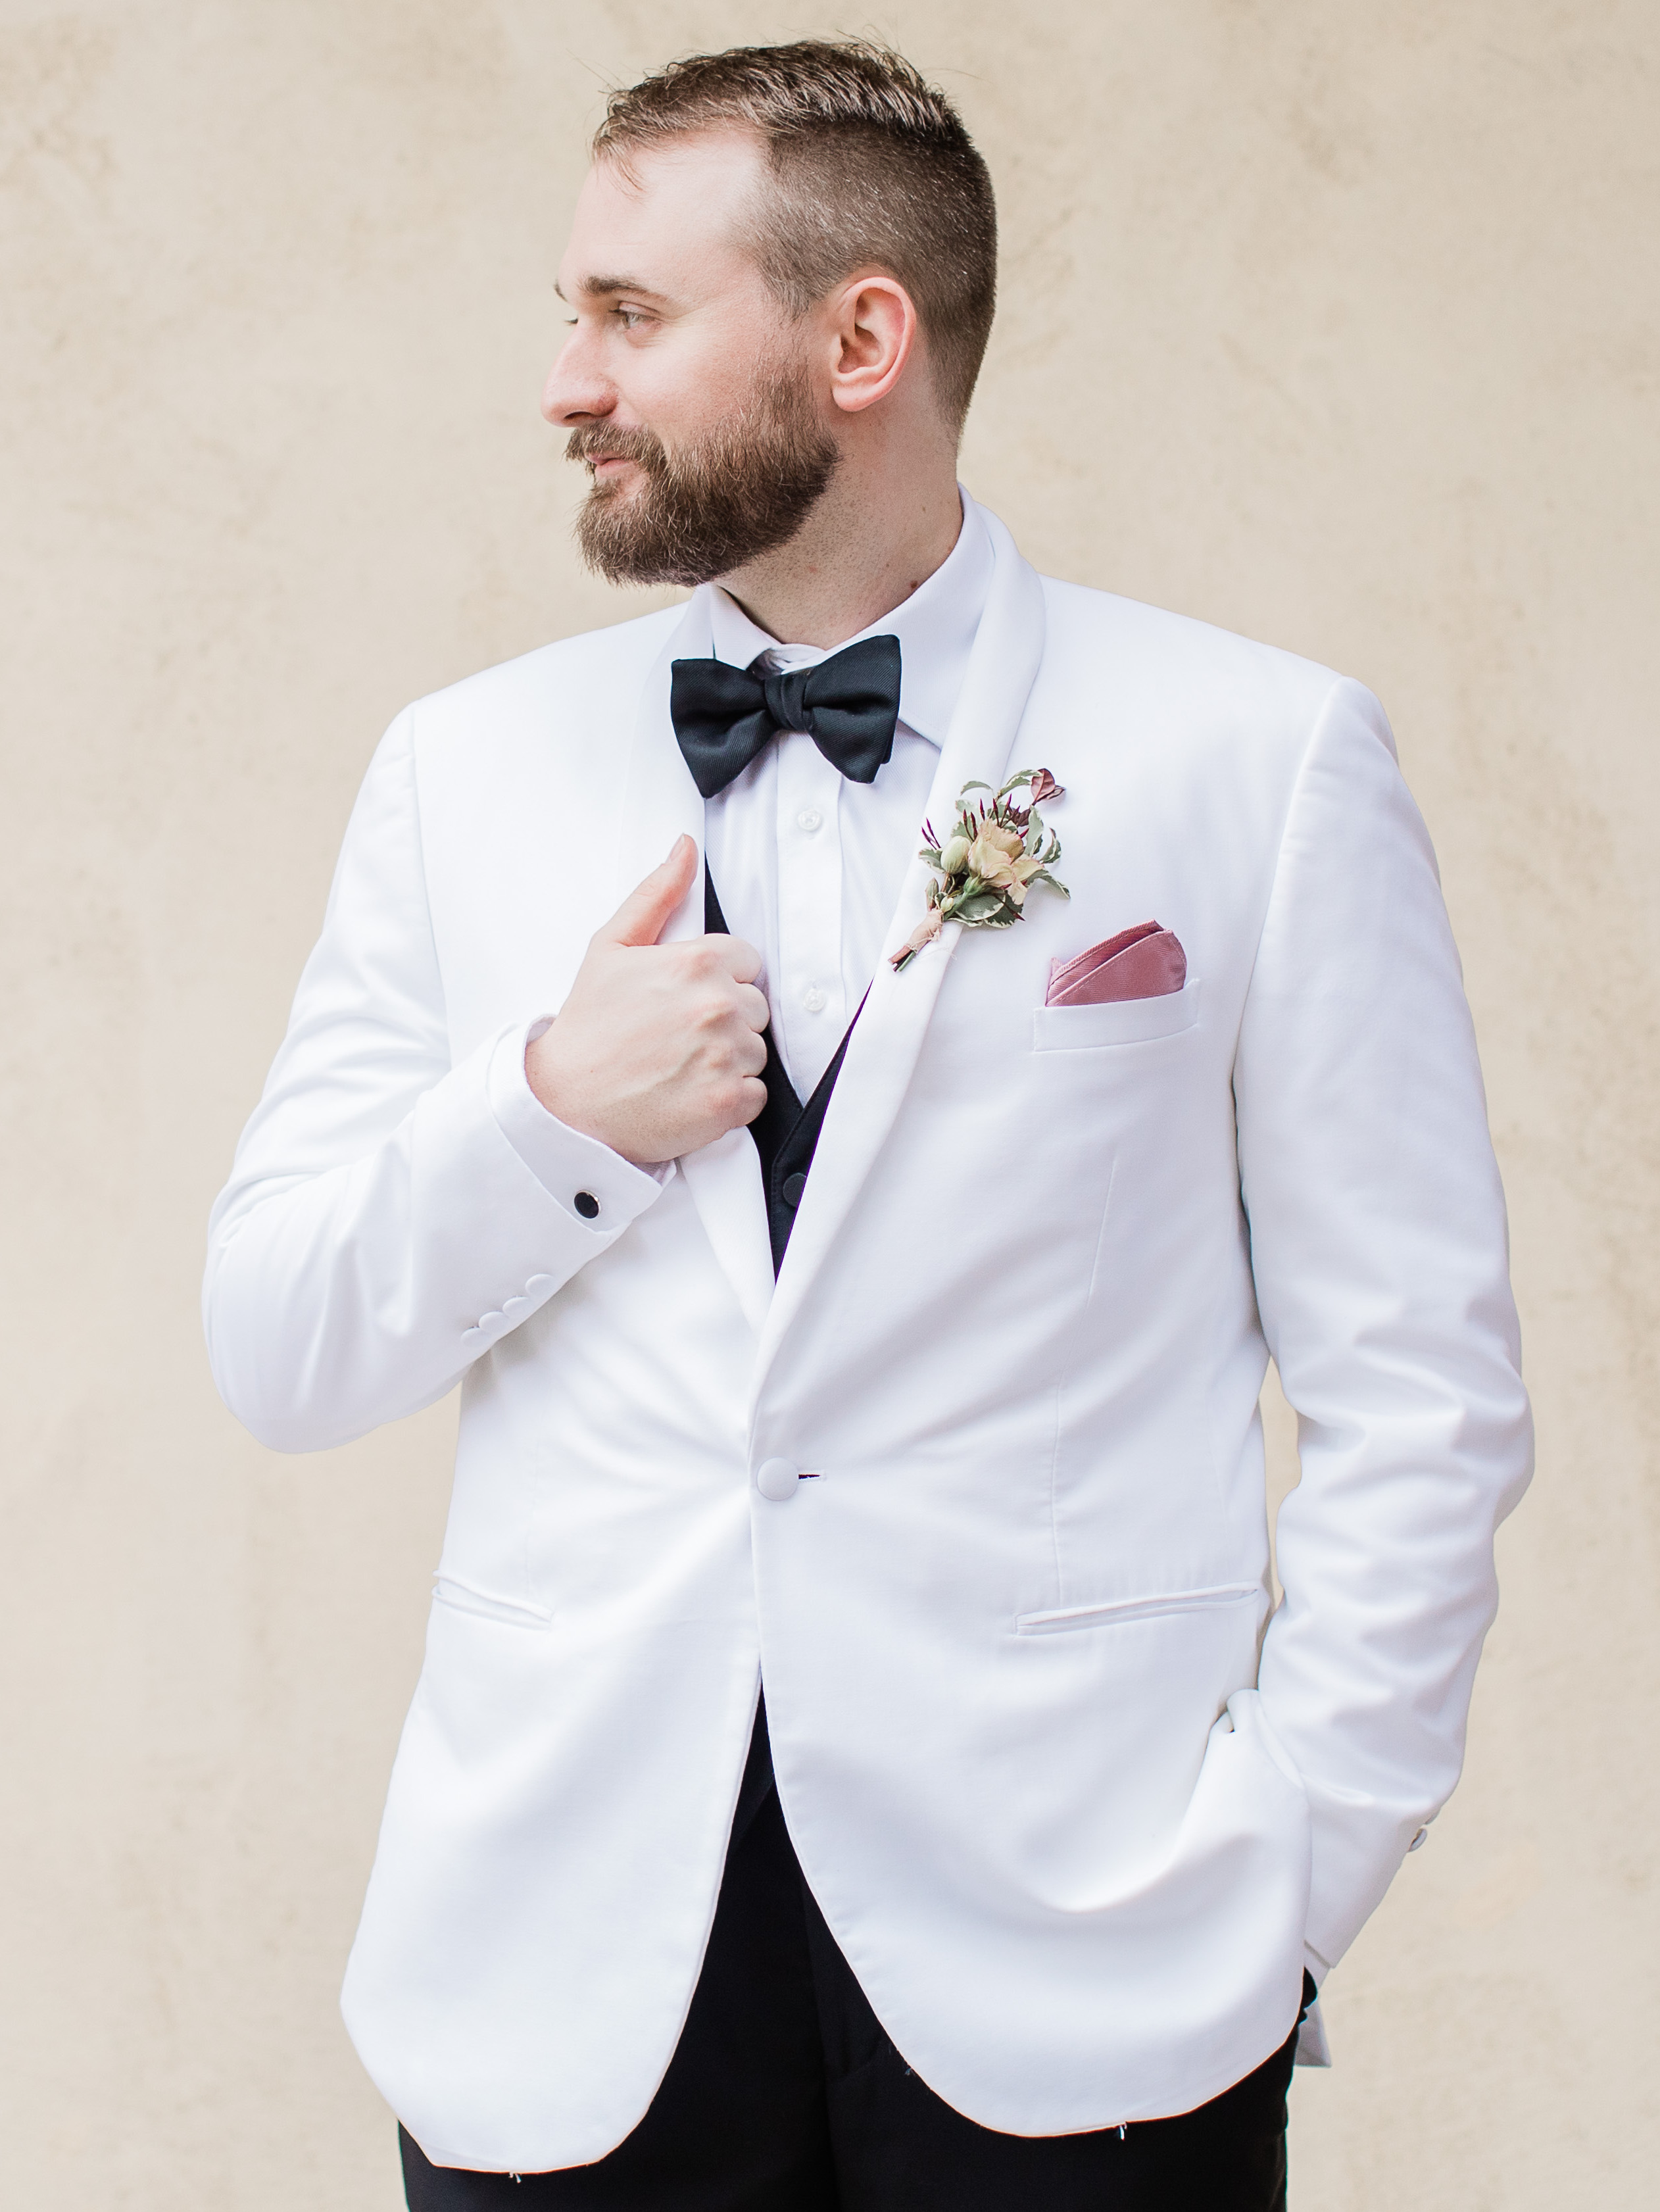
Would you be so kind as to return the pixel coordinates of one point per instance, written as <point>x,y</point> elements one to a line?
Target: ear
<point>874,328</point>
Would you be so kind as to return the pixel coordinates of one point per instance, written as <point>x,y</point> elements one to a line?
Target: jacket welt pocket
<point>462,1597</point>
<point>1120,1021</point>
<point>1068,1617</point>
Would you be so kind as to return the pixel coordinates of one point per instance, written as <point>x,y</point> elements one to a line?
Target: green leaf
<point>978,907</point>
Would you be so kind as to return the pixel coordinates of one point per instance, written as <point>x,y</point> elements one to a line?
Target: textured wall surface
<point>1336,326</point>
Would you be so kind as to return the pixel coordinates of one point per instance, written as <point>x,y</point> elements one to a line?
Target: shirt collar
<point>935,628</point>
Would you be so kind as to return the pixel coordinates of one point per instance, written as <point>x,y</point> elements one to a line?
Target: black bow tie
<point>847,705</point>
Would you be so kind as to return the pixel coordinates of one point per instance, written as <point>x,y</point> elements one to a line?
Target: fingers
<point>724,957</point>
<point>744,960</point>
<point>754,1097</point>
<point>641,918</point>
<point>753,1005</point>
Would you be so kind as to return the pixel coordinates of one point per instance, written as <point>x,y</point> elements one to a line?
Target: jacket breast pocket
<point>1123,1020</point>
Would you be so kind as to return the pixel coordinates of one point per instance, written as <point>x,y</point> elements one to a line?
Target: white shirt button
<point>814,1000</point>
<point>777,1478</point>
<point>809,819</point>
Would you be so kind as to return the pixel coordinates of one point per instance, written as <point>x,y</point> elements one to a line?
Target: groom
<point>857,1762</point>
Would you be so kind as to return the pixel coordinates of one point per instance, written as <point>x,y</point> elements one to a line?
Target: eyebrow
<point>596,287</point>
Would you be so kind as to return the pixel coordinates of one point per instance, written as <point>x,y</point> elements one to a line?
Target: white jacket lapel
<point>888,1035</point>
<point>661,803</point>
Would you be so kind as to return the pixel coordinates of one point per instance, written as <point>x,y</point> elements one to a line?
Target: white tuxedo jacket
<point>1073,1818</point>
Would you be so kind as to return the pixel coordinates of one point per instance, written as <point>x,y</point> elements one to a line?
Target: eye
<point>630,318</point>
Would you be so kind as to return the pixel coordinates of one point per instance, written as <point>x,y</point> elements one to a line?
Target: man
<point>861,1260</point>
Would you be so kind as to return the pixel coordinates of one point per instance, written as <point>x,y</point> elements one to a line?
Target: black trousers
<point>784,2095</point>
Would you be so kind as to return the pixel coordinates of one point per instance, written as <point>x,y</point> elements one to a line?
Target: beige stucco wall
<point>1335,325</point>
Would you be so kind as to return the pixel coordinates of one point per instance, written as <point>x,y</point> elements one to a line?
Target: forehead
<point>673,218</point>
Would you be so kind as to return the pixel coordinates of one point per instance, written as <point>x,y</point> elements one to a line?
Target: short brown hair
<point>870,165</point>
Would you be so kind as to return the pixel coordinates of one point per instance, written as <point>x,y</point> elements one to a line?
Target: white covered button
<point>777,1478</point>
<point>1419,1839</point>
<point>514,1310</point>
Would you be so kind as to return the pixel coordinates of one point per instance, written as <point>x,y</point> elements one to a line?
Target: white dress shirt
<point>808,864</point>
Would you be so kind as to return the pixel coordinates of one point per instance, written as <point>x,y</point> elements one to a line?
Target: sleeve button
<point>586,1205</point>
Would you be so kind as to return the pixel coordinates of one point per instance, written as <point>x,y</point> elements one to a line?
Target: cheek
<point>682,392</point>
<point>688,380</point>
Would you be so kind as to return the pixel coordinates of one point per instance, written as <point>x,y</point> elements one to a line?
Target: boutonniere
<point>997,849</point>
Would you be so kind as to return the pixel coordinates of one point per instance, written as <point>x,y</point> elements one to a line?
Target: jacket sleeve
<point>390,1216</point>
<point>1380,1252</point>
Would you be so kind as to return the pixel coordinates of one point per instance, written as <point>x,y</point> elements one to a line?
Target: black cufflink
<point>586,1205</point>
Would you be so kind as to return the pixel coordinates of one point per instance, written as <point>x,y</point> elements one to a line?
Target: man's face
<point>685,388</point>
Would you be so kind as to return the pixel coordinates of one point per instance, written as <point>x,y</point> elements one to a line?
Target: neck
<point>876,536</point>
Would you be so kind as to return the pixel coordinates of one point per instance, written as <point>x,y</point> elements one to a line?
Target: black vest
<point>785,1132</point>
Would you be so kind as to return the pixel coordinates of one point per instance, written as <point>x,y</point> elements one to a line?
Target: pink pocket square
<point>1144,962</point>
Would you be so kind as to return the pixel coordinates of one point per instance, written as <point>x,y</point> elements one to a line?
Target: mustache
<point>599,441</point>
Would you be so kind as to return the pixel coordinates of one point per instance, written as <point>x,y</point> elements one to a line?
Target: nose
<point>576,391</point>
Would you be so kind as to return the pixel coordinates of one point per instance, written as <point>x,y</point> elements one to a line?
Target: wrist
<point>548,1079</point>
<point>549,1075</point>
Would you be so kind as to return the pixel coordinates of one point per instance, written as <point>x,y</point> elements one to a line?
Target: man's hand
<point>658,1050</point>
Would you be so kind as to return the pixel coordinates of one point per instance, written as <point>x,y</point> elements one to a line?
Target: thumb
<point>641,918</point>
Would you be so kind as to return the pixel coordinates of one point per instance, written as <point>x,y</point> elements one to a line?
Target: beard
<point>741,491</point>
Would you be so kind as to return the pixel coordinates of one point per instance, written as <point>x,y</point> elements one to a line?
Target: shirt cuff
<point>595,1185</point>
<point>1313,2046</point>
